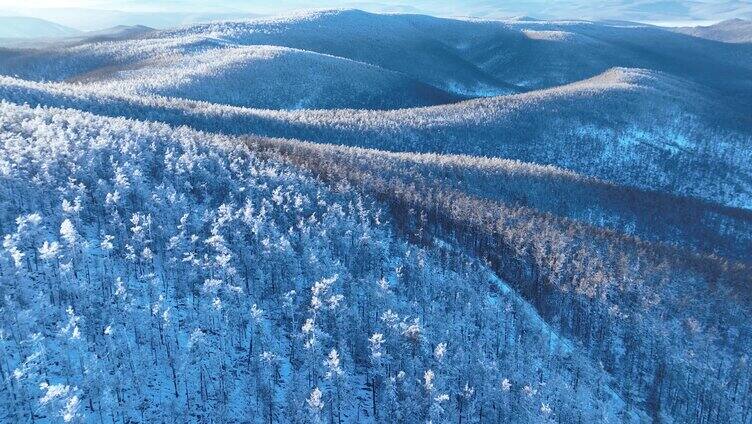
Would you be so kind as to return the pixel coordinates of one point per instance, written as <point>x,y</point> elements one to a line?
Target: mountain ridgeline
<point>730,31</point>
<point>339,216</point>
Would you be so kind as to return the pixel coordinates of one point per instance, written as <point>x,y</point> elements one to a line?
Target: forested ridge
<point>690,223</point>
<point>234,288</point>
<point>337,217</point>
<point>614,288</point>
<point>631,127</point>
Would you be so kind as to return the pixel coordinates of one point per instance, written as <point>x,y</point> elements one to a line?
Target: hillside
<point>397,47</point>
<point>401,43</point>
<point>272,78</point>
<point>554,53</point>
<point>570,271</point>
<point>650,216</point>
<point>115,33</point>
<point>91,19</point>
<point>701,224</point>
<point>471,54</point>
<point>729,31</point>
<point>474,58</point>
<point>635,10</point>
<point>218,279</point>
<point>632,127</point>
<point>249,230</point>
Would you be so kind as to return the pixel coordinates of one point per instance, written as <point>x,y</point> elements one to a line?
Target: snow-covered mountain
<point>632,127</point>
<point>730,31</point>
<point>466,57</point>
<point>637,10</point>
<point>200,277</point>
<point>340,216</point>
<point>91,19</point>
<point>476,57</point>
<point>649,215</point>
<point>273,78</point>
<point>26,27</point>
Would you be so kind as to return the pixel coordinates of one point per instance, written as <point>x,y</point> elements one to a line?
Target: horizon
<point>92,15</point>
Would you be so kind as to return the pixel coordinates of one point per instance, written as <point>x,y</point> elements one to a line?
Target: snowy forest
<point>283,221</point>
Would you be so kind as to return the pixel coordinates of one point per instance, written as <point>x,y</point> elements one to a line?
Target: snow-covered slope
<point>414,45</point>
<point>729,31</point>
<point>651,216</point>
<point>627,289</point>
<point>154,273</point>
<point>272,77</point>
<point>218,277</point>
<point>393,45</point>
<point>636,10</point>
<point>634,127</point>
<point>466,57</point>
<point>485,57</point>
<point>552,53</point>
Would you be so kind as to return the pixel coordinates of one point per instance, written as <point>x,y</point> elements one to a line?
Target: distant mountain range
<point>634,10</point>
<point>192,12</point>
<point>84,19</point>
<point>730,31</point>
<point>270,77</point>
<point>16,27</point>
<point>672,12</point>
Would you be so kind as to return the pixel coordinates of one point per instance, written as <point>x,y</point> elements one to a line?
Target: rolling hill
<point>729,31</point>
<point>631,127</point>
<point>194,281</point>
<point>553,53</point>
<point>471,58</point>
<point>249,223</point>
<point>475,53</point>
<point>684,222</point>
<point>272,77</point>
<point>401,43</point>
<point>635,10</point>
